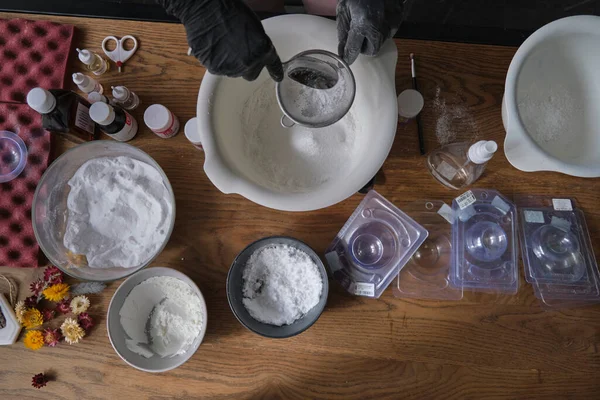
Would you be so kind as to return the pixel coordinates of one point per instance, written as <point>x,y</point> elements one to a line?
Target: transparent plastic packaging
<point>426,275</point>
<point>373,246</point>
<point>484,236</point>
<point>557,251</point>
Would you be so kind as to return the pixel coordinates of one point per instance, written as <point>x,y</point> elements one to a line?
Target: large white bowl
<point>221,99</point>
<point>563,54</point>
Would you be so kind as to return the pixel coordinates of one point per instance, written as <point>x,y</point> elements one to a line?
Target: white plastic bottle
<point>161,121</point>
<point>87,84</point>
<point>93,62</point>
<point>458,165</point>
<point>95,97</point>
<point>125,97</point>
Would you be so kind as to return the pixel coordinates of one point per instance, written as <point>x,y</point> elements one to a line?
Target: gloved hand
<point>363,26</point>
<point>227,37</point>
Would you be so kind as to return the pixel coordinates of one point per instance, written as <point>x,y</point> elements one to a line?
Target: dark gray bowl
<point>235,295</point>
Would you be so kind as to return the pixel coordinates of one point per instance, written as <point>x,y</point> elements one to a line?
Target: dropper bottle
<point>458,165</point>
<point>125,97</point>
<point>93,62</point>
<point>114,121</point>
<point>87,84</point>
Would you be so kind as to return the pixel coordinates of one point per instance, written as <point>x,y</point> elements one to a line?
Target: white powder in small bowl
<point>280,284</point>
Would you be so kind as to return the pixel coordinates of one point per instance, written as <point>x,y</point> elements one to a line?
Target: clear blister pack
<point>426,274</point>
<point>373,246</point>
<point>484,239</point>
<point>557,251</point>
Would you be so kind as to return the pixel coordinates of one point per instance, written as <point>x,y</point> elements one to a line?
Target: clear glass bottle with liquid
<point>458,165</point>
<point>125,97</point>
<point>93,62</point>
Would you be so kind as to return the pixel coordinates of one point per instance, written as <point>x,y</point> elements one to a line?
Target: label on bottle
<point>562,204</point>
<point>446,170</point>
<point>129,129</point>
<point>83,120</point>
<point>465,200</point>
<point>171,130</point>
<point>534,217</point>
<point>363,289</point>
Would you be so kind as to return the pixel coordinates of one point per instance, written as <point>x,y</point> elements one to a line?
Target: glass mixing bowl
<point>49,211</point>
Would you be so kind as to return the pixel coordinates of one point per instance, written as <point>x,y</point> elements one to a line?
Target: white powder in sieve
<point>281,284</point>
<point>548,110</point>
<point>297,159</point>
<point>162,315</point>
<point>118,212</point>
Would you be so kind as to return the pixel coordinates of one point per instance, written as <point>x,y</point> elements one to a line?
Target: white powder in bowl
<point>296,159</point>
<point>119,212</point>
<point>280,284</point>
<point>162,316</point>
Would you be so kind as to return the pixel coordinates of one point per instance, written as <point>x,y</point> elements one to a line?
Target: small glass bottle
<point>114,121</point>
<point>161,121</point>
<point>95,97</point>
<point>458,165</point>
<point>64,112</point>
<point>87,84</point>
<point>125,97</point>
<point>93,62</point>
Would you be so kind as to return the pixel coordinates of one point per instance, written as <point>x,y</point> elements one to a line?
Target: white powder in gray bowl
<point>280,284</point>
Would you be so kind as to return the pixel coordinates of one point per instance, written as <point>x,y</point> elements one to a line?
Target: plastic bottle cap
<point>95,97</point>
<point>410,103</point>
<point>85,56</point>
<point>41,100</point>
<point>157,117</point>
<point>191,131</point>
<point>102,113</point>
<point>119,92</point>
<point>80,79</point>
<point>482,151</point>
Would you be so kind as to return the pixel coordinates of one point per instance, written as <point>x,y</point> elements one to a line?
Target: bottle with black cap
<point>64,112</point>
<point>114,121</point>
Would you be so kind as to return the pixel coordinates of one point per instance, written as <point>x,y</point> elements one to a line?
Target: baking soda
<point>119,212</point>
<point>281,284</point>
<point>296,159</point>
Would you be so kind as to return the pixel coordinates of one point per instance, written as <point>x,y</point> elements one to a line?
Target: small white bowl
<point>116,333</point>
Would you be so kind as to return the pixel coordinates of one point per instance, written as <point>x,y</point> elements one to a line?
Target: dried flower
<point>20,310</point>
<point>37,287</point>
<point>31,301</point>
<point>71,331</point>
<point>53,275</point>
<point>39,381</point>
<point>64,306</point>
<point>34,340</point>
<point>51,337</point>
<point>32,317</point>
<point>57,292</point>
<point>79,304</point>
<point>48,314</point>
<point>85,321</point>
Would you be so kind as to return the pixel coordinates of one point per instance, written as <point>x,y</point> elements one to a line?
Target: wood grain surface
<point>481,347</point>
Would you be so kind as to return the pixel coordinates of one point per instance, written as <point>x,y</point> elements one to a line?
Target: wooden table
<point>481,347</point>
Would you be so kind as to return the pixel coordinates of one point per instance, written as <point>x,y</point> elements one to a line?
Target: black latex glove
<point>227,37</point>
<point>363,26</point>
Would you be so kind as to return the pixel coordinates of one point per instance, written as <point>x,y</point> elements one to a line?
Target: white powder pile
<point>162,316</point>
<point>297,159</point>
<point>118,212</point>
<point>281,284</point>
<point>548,110</point>
<point>453,119</point>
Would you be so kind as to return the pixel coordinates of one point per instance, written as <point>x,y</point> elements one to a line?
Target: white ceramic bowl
<point>559,63</point>
<point>221,101</point>
<point>117,335</point>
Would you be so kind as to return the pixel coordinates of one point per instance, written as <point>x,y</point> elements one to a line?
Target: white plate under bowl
<point>116,333</point>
